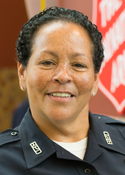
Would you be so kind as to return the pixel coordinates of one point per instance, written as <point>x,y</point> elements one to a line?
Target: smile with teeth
<point>61,95</point>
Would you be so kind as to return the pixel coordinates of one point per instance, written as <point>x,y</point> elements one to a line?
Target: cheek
<point>37,80</point>
<point>85,83</point>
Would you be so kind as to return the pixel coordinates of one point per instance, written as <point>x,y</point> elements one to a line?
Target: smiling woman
<point>59,57</point>
<point>56,62</point>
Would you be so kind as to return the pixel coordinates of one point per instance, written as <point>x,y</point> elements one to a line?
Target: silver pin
<point>22,88</point>
<point>107,138</point>
<point>35,148</point>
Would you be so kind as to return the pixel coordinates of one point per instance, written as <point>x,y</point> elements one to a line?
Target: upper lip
<point>61,92</point>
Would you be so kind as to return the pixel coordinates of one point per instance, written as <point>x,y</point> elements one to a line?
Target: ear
<point>22,76</point>
<point>95,86</point>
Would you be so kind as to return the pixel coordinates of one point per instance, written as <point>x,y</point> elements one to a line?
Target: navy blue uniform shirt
<point>26,150</point>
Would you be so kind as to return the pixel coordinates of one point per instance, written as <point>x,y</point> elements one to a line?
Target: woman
<point>59,56</point>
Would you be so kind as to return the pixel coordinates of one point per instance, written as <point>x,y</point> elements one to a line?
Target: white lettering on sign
<point>118,72</point>
<point>108,9</point>
<point>109,16</point>
<point>114,38</point>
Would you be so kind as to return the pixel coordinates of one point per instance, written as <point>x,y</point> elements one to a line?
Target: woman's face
<point>59,77</point>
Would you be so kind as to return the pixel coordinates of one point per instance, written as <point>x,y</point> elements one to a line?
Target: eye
<point>47,63</point>
<point>79,65</point>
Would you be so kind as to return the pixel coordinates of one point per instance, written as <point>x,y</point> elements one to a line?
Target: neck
<point>67,130</point>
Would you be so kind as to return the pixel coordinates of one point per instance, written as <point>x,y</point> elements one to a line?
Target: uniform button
<point>87,170</point>
<point>99,117</point>
<point>13,133</point>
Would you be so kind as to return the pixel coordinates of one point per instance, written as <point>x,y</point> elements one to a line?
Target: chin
<point>61,117</point>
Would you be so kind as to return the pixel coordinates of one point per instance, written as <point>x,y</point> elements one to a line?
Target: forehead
<point>61,27</point>
<point>62,35</point>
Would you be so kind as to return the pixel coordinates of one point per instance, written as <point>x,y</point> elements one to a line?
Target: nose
<point>62,75</point>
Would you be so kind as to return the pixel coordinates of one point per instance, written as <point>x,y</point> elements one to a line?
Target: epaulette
<point>9,135</point>
<point>109,120</point>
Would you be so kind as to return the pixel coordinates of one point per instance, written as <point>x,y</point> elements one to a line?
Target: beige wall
<point>50,3</point>
<point>84,6</point>
<point>32,7</point>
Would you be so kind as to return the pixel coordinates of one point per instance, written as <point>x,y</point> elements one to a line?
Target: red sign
<point>109,16</point>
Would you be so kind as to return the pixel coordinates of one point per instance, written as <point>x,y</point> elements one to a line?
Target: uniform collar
<point>96,138</point>
<point>30,133</point>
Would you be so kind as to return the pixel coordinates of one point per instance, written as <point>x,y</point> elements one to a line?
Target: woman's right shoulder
<point>9,136</point>
<point>11,153</point>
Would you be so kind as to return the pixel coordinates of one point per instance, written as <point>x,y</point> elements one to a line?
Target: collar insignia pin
<point>35,148</point>
<point>107,138</point>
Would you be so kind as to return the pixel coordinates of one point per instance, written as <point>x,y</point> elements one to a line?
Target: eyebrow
<point>56,55</point>
<point>79,54</point>
<point>51,53</point>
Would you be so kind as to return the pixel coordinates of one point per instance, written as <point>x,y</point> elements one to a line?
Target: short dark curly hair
<point>24,42</point>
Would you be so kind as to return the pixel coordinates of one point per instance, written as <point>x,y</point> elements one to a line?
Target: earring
<point>22,88</point>
<point>93,94</point>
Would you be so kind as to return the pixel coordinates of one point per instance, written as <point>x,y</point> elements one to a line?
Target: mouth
<point>61,94</point>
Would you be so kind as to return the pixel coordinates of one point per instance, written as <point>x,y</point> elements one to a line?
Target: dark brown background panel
<point>12,17</point>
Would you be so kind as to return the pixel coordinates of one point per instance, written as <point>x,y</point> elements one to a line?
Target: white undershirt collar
<point>76,148</point>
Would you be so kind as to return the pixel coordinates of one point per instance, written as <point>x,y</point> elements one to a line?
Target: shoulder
<point>11,153</point>
<point>113,124</point>
<point>108,120</point>
<point>9,136</point>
